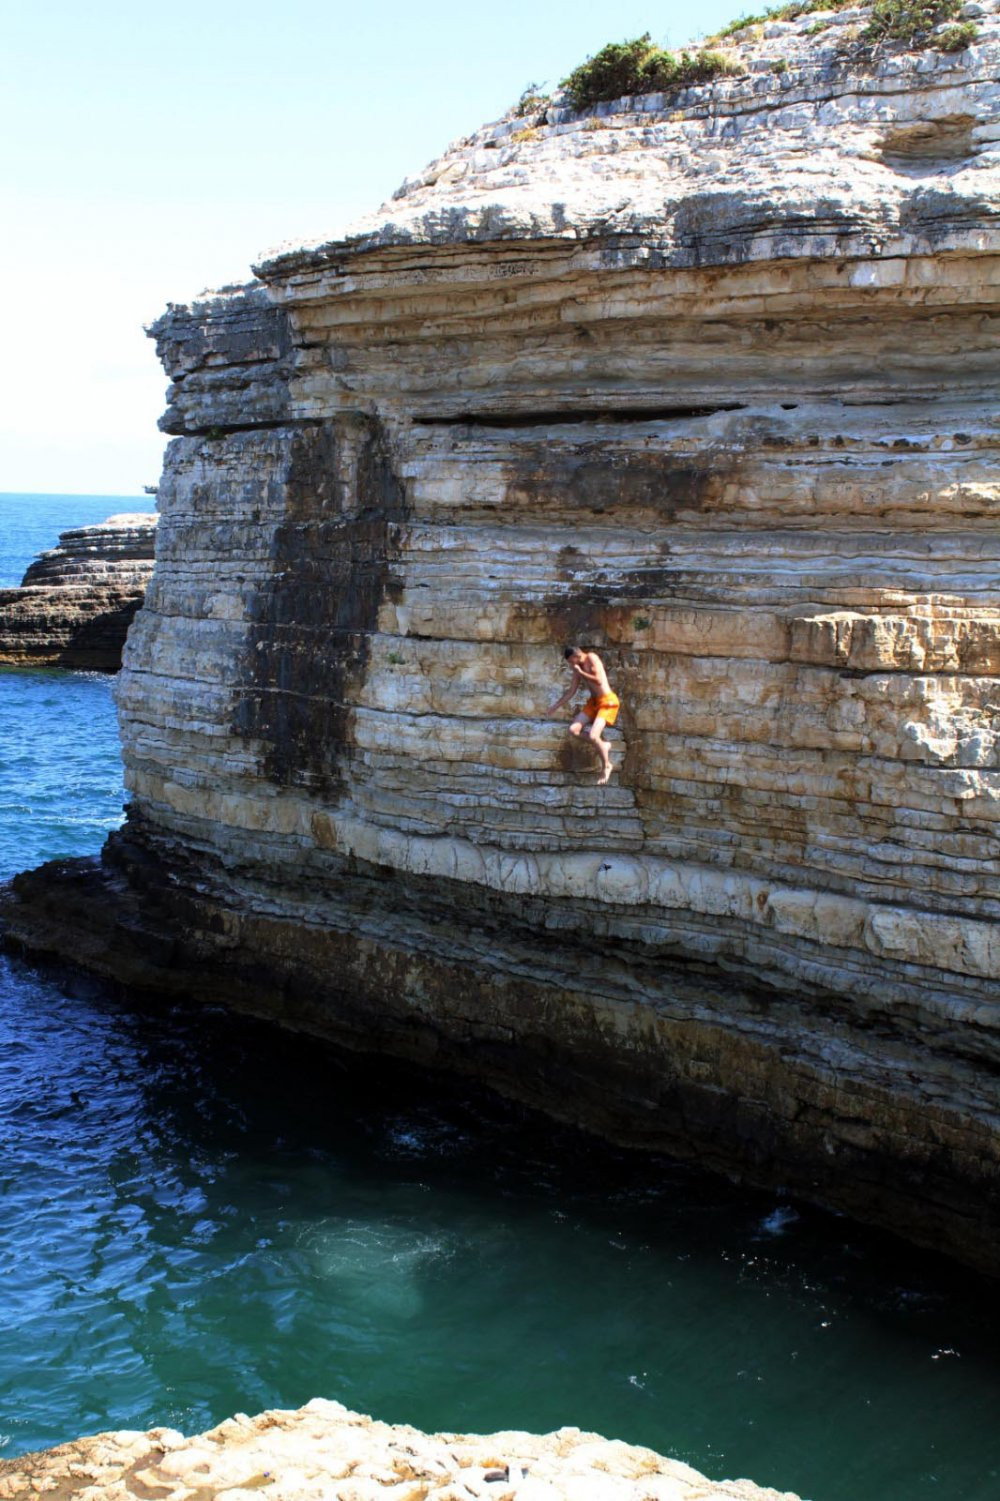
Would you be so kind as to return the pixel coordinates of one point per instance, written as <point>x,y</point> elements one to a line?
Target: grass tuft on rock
<point>788,12</point>
<point>957,38</point>
<point>533,99</point>
<point>640,67</point>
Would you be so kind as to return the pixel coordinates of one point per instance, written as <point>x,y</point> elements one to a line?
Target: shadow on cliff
<point>97,644</point>
<point>332,560</point>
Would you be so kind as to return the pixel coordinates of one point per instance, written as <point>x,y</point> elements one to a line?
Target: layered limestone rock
<point>323,1450</point>
<point>707,382</point>
<point>77,601</point>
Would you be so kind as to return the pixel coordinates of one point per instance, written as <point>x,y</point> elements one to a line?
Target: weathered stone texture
<point>324,1450</point>
<point>77,601</point>
<point>712,388</point>
<point>229,358</point>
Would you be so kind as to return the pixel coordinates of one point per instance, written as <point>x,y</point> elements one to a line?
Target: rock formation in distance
<point>77,601</point>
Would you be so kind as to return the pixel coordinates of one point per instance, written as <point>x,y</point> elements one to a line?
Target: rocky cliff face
<point>77,601</point>
<point>707,382</point>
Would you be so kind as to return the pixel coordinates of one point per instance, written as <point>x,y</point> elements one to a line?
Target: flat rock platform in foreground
<point>324,1452</point>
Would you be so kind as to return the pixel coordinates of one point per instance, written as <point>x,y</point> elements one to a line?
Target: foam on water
<point>779,1220</point>
<point>377,1266</point>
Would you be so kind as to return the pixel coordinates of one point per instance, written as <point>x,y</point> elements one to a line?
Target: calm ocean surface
<point>201,1216</point>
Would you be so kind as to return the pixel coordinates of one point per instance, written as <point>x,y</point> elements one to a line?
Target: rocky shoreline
<point>325,1451</point>
<point>76,602</point>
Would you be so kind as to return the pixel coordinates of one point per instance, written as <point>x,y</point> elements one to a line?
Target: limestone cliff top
<point>817,145</point>
<point>145,520</point>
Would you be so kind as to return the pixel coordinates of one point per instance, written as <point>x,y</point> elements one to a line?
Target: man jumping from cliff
<point>600,709</point>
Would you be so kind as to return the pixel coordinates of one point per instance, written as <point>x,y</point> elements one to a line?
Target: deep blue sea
<point>201,1215</point>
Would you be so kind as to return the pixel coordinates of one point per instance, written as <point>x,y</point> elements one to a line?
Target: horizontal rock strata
<point>77,601</point>
<point>708,383</point>
<point>325,1450</point>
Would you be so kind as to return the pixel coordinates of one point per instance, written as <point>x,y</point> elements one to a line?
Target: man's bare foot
<point>605,774</point>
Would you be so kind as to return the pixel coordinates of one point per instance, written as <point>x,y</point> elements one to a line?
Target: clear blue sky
<point>152,151</point>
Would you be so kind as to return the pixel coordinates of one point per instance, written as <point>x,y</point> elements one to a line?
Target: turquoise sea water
<point>200,1216</point>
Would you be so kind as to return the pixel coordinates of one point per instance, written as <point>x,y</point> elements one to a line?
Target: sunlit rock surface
<point>707,382</point>
<point>77,601</point>
<point>323,1450</point>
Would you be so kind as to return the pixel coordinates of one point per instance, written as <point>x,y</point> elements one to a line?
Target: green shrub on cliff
<point>742,23</point>
<point>640,67</point>
<point>910,21</point>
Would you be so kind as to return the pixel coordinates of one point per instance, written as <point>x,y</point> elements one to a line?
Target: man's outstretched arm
<point>573,689</point>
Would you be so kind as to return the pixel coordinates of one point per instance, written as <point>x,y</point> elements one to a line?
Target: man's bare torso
<point>593,665</point>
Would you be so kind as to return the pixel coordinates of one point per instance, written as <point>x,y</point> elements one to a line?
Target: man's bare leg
<point>603,748</point>
<point>584,728</point>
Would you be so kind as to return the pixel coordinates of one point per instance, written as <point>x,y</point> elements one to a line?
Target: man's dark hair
<point>570,651</point>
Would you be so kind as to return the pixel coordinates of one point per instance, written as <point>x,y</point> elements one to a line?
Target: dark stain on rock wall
<point>591,480</point>
<point>332,560</point>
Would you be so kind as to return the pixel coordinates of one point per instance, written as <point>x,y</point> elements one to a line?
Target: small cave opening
<point>926,146</point>
<point>557,416</point>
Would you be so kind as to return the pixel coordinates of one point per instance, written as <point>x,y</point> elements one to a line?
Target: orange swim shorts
<point>606,706</point>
